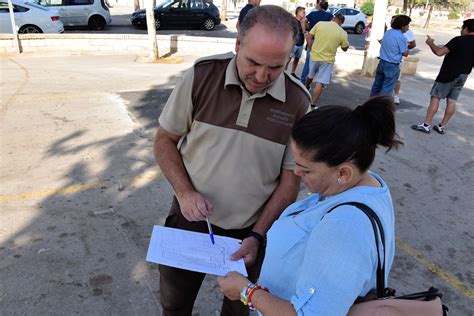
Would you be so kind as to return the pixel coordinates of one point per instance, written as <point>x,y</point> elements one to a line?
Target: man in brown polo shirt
<point>223,144</point>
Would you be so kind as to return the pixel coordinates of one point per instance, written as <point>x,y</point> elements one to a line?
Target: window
<point>51,3</point>
<point>196,4</point>
<point>351,12</point>
<point>16,8</point>
<point>79,2</point>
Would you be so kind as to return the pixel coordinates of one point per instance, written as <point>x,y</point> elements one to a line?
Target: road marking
<point>450,279</point>
<point>80,187</point>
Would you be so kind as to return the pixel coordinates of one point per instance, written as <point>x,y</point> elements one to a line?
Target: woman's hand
<point>232,284</point>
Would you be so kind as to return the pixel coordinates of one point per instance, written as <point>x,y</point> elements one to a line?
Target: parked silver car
<point>92,13</point>
<point>29,18</point>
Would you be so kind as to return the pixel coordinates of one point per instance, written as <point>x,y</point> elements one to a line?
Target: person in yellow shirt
<point>324,38</point>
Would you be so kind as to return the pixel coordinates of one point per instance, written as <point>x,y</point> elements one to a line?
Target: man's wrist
<point>262,240</point>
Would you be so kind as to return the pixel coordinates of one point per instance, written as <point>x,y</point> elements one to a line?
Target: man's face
<point>261,57</point>
<point>255,3</point>
<point>301,14</point>
<point>405,28</point>
<point>464,30</point>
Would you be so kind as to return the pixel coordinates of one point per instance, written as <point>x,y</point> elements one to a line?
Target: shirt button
<point>311,290</point>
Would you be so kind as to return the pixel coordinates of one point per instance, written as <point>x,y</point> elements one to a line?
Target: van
<point>92,13</point>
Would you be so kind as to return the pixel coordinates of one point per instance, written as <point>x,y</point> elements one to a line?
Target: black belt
<point>388,61</point>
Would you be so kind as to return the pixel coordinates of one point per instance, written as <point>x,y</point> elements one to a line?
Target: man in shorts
<point>297,50</point>
<point>457,65</point>
<point>329,36</point>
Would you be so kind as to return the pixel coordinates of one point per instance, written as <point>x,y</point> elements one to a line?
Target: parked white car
<point>29,18</point>
<point>355,20</point>
<point>92,13</point>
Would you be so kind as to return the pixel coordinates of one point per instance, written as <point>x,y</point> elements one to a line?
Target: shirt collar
<point>276,89</point>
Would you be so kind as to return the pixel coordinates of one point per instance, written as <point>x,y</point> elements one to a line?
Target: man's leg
<point>378,80</point>
<point>318,89</point>
<point>391,73</point>
<point>432,109</point>
<point>295,64</point>
<point>449,112</point>
<point>304,74</point>
<point>178,287</point>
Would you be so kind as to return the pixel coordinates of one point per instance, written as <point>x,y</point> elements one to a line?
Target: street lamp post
<point>378,28</point>
<point>15,33</point>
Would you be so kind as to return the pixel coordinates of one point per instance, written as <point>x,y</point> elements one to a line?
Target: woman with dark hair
<point>319,263</point>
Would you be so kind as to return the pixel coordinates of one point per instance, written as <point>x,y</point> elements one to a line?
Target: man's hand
<point>248,251</point>
<point>232,284</point>
<point>194,206</point>
<point>429,40</point>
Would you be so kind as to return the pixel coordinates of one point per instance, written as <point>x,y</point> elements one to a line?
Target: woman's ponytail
<point>378,115</point>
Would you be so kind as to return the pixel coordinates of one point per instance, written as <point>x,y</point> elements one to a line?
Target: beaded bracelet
<point>247,292</point>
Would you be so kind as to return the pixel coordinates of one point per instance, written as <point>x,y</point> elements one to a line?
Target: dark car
<point>181,13</point>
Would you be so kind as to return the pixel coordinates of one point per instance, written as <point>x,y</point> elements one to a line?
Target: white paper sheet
<point>194,251</point>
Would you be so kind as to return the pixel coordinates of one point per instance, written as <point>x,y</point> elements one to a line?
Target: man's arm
<point>437,50</point>
<point>412,44</point>
<point>284,194</point>
<point>194,206</point>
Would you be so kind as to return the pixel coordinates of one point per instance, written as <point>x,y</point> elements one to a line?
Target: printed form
<point>194,251</point>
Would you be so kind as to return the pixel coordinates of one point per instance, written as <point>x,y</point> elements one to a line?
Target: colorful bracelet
<point>247,292</point>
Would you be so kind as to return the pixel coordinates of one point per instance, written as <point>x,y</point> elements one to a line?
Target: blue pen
<point>210,230</point>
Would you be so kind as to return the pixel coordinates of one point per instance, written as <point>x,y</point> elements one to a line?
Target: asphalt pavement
<point>81,191</point>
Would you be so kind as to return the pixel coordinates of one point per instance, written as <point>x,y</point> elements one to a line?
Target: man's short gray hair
<point>272,17</point>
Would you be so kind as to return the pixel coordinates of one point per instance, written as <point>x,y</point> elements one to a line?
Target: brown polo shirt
<point>233,144</point>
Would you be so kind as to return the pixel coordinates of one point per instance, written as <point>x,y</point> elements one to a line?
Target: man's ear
<point>237,44</point>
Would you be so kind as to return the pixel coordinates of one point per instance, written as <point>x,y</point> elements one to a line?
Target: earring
<point>339,180</point>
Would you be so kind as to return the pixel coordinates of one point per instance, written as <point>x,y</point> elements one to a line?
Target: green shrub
<point>453,15</point>
<point>368,8</point>
<point>397,11</point>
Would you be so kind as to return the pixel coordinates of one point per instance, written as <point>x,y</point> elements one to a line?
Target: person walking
<point>411,44</point>
<point>393,47</point>
<point>315,16</point>
<point>223,144</point>
<point>249,6</point>
<point>457,65</point>
<point>299,42</point>
<point>321,255</point>
<point>329,36</point>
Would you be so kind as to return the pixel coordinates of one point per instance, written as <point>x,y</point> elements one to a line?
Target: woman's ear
<point>345,173</point>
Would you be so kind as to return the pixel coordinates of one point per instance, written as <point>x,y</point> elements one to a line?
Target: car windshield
<point>333,10</point>
<point>163,3</point>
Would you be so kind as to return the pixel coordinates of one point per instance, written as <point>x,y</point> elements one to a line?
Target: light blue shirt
<point>393,45</point>
<point>322,264</point>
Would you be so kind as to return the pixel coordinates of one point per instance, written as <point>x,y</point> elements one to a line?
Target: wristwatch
<point>262,241</point>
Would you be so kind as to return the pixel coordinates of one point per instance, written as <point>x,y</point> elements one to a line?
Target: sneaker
<point>421,127</point>
<point>396,99</point>
<point>439,129</point>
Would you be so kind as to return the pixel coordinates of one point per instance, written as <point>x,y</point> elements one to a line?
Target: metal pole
<point>15,33</point>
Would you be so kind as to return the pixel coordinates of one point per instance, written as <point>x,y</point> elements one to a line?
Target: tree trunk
<point>405,5</point>
<point>151,28</point>
<point>224,11</point>
<point>427,22</point>
<point>136,5</point>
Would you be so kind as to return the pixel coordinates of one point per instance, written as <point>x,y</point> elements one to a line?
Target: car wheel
<point>359,28</point>
<point>157,23</point>
<point>96,23</point>
<point>28,29</point>
<point>209,24</point>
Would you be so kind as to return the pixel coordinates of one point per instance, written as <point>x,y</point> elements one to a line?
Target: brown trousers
<point>179,288</point>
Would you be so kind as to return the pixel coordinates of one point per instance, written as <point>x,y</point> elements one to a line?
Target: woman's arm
<point>266,303</point>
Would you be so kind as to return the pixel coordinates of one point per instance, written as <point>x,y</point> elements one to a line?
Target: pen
<point>210,230</point>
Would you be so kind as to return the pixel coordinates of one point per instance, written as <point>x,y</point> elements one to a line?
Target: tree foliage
<point>368,8</point>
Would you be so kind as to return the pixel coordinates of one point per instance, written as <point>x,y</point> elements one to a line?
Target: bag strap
<point>375,221</point>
